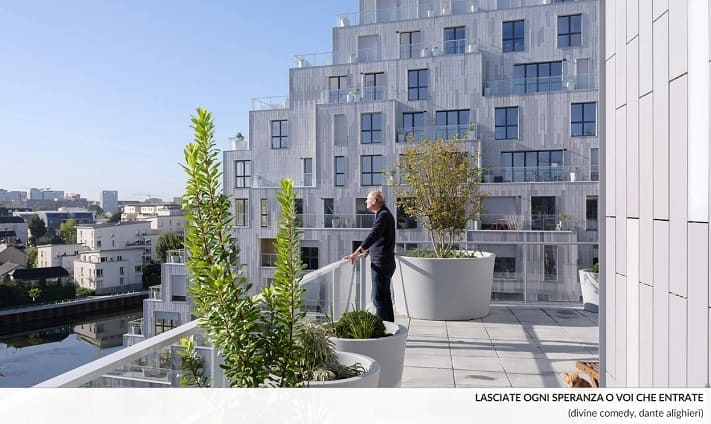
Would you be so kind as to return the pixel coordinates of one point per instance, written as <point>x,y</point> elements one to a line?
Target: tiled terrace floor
<point>514,346</point>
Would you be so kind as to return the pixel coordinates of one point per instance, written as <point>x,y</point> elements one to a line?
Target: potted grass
<point>263,340</point>
<point>441,187</point>
<point>362,332</point>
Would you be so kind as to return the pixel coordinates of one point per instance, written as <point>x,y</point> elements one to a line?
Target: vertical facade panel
<point>678,187</point>
<point>661,117</point>
<point>661,303</point>
<point>620,188</point>
<point>633,308</point>
<point>610,140</point>
<point>645,48</point>
<point>646,191</point>
<point>646,336</point>
<point>621,354</point>
<point>632,124</point>
<point>698,312</point>
<point>678,342</point>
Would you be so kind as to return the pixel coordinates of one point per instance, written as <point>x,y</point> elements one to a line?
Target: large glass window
<point>591,213</point>
<point>163,325</point>
<point>417,88</point>
<point>308,172</point>
<point>506,123</point>
<point>243,173</point>
<point>339,168</point>
<point>280,132</point>
<point>543,216</point>
<point>410,44</point>
<point>371,128</point>
<point>241,212</point>
<point>328,213</point>
<point>337,89</point>
<point>452,123</point>
<point>364,217</point>
<point>550,262</point>
<point>309,256</point>
<point>538,77</point>
<point>412,126</point>
<point>583,119</point>
<point>454,40</point>
<point>570,31</point>
<point>531,166</point>
<point>374,86</point>
<point>512,36</point>
<point>371,168</point>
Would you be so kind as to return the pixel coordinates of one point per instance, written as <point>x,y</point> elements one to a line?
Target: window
<point>543,216</point>
<point>569,31</point>
<point>594,164</point>
<point>504,267</point>
<point>591,213</point>
<point>163,325</point>
<point>339,168</point>
<point>99,272</point>
<point>371,167</point>
<point>506,123</point>
<point>417,84</point>
<point>512,36</point>
<point>410,44</point>
<point>241,212</point>
<point>119,258</point>
<point>364,217</point>
<point>121,270</point>
<point>137,268</point>
<point>243,173</point>
<point>120,280</point>
<point>308,172</point>
<point>280,131</point>
<point>412,126</point>
<point>531,166</point>
<point>263,212</point>
<point>309,256</point>
<point>454,40</point>
<point>405,221</point>
<point>374,86</point>
<point>337,89</point>
<point>328,213</point>
<point>452,123</point>
<point>583,119</point>
<point>538,77</point>
<point>550,262</point>
<point>371,128</point>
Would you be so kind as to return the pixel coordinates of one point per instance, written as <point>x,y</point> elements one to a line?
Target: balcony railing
<point>540,85</point>
<point>455,7</point>
<point>368,94</point>
<point>539,222</point>
<point>466,132</point>
<point>154,362</point>
<point>175,256</point>
<point>374,54</point>
<point>154,292</point>
<point>536,174</point>
<point>270,103</point>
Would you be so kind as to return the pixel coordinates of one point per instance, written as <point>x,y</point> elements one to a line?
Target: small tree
<point>37,228</point>
<point>115,217</point>
<point>31,257</point>
<point>34,293</point>
<point>68,231</point>
<point>441,187</point>
<point>166,242</point>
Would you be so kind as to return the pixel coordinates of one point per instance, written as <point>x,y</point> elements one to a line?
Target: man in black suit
<point>380,245</point>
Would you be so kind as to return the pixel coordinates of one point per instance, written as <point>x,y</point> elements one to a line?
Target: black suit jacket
<point>380,242</point>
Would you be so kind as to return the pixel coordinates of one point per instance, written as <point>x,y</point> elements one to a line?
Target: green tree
<point>115,217</point>
<point>68,231</point>
<point>31,257</point>
<point>96,208</point>
<point>50,237</point>
<point>34,293</point>
<point>441,182</point>
<point>151,274</point>
<point>37,228</point>
<point>168,241</point>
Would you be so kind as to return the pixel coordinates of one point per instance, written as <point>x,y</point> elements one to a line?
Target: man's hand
<point>353,256</point>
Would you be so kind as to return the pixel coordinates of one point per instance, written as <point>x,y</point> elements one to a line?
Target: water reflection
<point>33,356</point>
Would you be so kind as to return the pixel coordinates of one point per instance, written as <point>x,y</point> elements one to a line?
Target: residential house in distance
<point>119,236</point>
<point>109,201</point>
<point>11,253</point>
<point>62,255</point>
<point>164,217</point>
<point>54,219</point>
<point>516,81</point>
<point>13,229</point>
<point>51,275</point>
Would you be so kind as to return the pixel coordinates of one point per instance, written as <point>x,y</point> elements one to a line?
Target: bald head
<point>375,200</point>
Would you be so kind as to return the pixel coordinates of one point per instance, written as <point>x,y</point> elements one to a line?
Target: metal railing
<point>416,134</point>
<point>368,94</point>
<point>270,103</point>
<point>454,7</point>
<point>540,85</point>
<point>155,362</point>
<point>535,174</point>
<point>536,222</point>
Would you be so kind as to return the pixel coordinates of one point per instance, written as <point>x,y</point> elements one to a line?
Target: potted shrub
<point>590,287</point>
<point>362,332</point>
<point>442,189</point>
<point>262,339</point>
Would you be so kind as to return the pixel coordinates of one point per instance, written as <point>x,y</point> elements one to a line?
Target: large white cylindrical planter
<point>388,351</point>
<point>590,288</point>
<point>443,289</point>
<point>369,379</point>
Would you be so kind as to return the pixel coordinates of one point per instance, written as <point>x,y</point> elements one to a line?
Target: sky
<point>97,94</point>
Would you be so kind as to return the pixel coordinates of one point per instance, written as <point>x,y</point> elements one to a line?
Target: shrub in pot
<point>590,287</point>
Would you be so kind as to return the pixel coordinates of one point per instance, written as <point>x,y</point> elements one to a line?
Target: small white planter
<point>389,352</point>
<point>443,289</point>
<point>369,379</point>
<point>590,287</point>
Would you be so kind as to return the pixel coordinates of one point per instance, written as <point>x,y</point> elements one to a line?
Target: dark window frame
<point>280,134</point>
<point>243,177</point>
<point>570,30</point>
<point>339,170</point>
<point>241,218</point>
<point>419,88</point>
<point>513,39</point>
<point>510,130</point>
<point>368,175</point>
<point>454,39</point>
<point>368,133</point>
<point>585,126</point>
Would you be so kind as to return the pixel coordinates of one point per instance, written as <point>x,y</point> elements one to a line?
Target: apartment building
<point>516,79</point>
<point>119,236</point>
<point>166,217</point>
<point>110,270</point>
<point>54,219</point>
<point>109,201</point>
<point>13,229</point>
<point>63,255</point>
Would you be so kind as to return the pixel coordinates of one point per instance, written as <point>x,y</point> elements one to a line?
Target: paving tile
<point>535,380</point>
<point>469,330</point>
<point>471,347</point>
<point>527,366</point>
<point>508,333</point>
<point>426,377</point>
<point>428,361</point>
<point>477,363</point>
<point>469,378</point>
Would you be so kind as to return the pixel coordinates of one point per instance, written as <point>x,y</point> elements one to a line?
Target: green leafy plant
<point>596,267</point>
<point>320,360</point>
<point>192,365</point>
<point>34,293</point>
<point>440,185</point>
<point>359,324</point>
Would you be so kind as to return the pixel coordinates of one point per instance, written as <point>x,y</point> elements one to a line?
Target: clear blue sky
<point>97,94</point>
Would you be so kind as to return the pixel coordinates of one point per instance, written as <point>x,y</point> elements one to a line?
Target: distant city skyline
<point>97,95</point>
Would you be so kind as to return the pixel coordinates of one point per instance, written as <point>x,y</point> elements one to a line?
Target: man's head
<point>375,200</point>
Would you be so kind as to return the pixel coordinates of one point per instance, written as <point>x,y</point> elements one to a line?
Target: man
<point>380,245</point>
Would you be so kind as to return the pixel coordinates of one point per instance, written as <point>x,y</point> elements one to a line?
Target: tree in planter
<point>440,185</point>
<point>261,339</point>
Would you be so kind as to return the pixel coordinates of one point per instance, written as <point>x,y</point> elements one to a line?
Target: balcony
<point>154,292</point>
<point>269,103</point>
<point>540,85</point>
<point>404,51</point>
<point>463,132</point>
<point>539,222</point>
<point>521,345</point>
<point>369,94</point>
<point>456,7</point>
<point>540,174</point>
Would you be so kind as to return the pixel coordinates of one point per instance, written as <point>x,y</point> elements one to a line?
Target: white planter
<point>443,289</point>
<point>369,379</point>
<point>389,352</point>
<point>590,287</point>
<point>572,177</point>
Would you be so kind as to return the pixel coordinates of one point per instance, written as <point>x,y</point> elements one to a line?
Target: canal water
<point>33,356</point>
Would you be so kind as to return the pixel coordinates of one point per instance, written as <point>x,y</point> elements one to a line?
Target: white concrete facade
<point>399,68</point>
<point>62,255</point>
<point>110,270</point>
<point>119,236</point>
<point>655,330</point>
